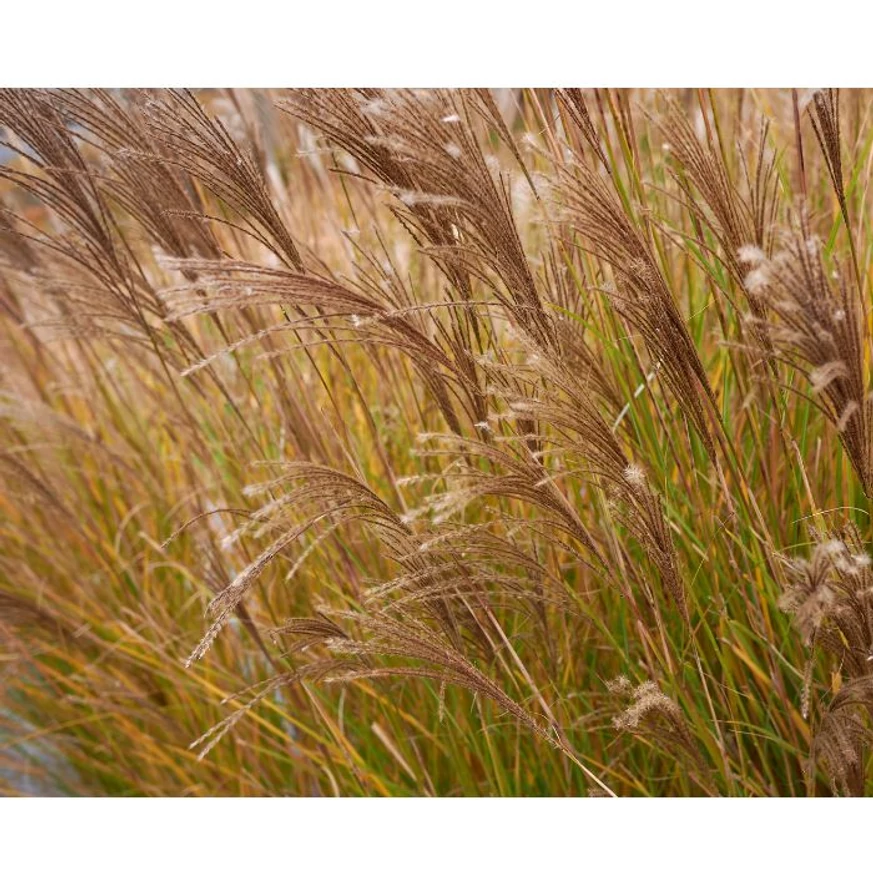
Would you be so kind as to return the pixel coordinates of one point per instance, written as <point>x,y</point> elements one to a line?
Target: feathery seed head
<point>751,255</point>
<point>635,476</point>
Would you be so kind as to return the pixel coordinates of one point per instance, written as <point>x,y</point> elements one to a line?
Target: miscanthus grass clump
<point>435,442</point>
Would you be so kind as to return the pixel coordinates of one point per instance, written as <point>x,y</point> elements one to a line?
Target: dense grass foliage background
<point>512,442</point>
